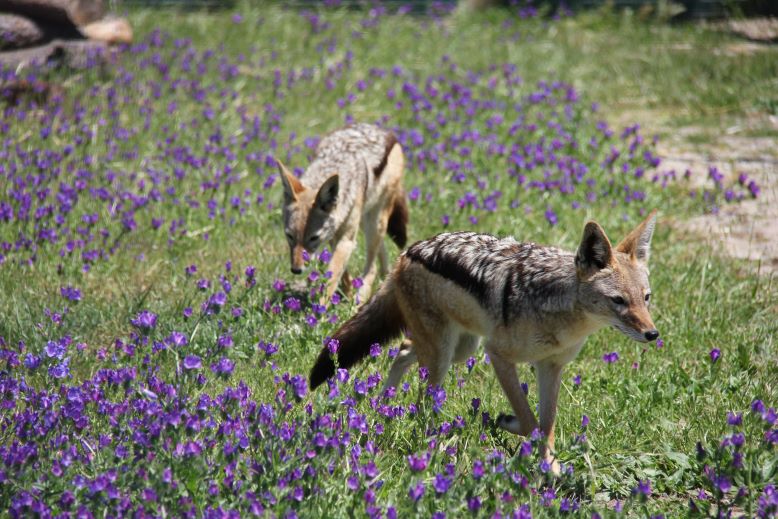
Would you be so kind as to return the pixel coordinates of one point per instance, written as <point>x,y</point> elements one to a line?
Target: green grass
<point>647,411</point>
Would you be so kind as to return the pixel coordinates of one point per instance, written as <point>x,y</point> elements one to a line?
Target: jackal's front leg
<point>549,378</point>
<point>340,256</point>
<point>524,421</point>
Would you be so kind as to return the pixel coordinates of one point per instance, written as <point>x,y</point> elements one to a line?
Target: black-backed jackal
<point>355,178</point>
<point>530,303</point>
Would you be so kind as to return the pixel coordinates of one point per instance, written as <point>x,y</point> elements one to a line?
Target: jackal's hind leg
<point>374,226</point>
<point>404,360</point>
<point>437,353</point>
<point>466,347</point>
<point>383,260</point>
<point>345,283</point>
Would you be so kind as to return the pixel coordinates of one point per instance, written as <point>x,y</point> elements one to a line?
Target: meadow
<point>154,347</point>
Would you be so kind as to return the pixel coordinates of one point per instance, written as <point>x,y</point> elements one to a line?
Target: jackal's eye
<point>289,237</point>
<point>618,300</point>
<point>314,238</point>
<point>648,297</point>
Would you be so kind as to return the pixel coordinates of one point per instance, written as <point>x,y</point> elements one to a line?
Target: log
<point>18,32</point>
<point>108,30</point>
<point>69,53</point>
<point>73,12</point>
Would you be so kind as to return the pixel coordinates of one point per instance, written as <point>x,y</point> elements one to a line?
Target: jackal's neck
<point>550,282</point>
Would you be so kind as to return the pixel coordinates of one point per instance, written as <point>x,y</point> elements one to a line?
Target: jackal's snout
<point>297,259</point>
<point>638,324</point>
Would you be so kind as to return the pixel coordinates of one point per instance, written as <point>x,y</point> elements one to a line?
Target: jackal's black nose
<point>650,335</point>
<point>297,270</point>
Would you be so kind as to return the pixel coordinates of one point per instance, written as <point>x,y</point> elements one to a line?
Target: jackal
<point>355,177</point>
<point>530,303</point>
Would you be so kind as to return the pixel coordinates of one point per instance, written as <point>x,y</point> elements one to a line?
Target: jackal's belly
<point>532,339</point>
<point>523,342</point>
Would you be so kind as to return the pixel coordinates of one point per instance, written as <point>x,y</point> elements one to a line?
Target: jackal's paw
<point>363,296</point>
<point>509,422</point>
<point>512,424</point>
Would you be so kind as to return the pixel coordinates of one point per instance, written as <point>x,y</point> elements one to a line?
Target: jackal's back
<point>507,277</point>
<point>347,151</point>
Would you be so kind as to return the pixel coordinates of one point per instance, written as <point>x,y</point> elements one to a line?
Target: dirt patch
<point>747,229</point>
<point>741,48</point>
<point>755,29</point>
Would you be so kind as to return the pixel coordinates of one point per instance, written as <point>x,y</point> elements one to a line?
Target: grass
<point>647,411</point>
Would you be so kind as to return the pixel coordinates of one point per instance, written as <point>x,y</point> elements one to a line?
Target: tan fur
<point>449,296</point>
<point>354,181</point>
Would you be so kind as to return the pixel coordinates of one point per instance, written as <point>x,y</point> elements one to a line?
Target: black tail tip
<point>397,227</point>
<point>321,371</point>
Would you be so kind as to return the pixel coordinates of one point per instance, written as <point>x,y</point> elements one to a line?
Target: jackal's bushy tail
<point>398,221</point>
<point>379,321</point>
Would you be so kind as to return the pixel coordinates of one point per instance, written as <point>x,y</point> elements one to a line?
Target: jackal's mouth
<point>629,332</point>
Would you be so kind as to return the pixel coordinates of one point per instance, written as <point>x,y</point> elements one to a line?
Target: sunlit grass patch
<point>154,192</point>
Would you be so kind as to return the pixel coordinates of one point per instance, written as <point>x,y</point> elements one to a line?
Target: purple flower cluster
<point>170,148</point>
<point>727,466</point>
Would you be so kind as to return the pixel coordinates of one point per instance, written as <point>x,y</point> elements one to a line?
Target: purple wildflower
<point>643,488</point>
<point>418,463</point>
<point>734,419</point>
<point>441,484</point>
<point>224,342</point>
<point>478,469</point>
<point>177,339</point>
<point>192,362</point>
<point>31,361</point>
<point>610,358</point>
<point>60,370</point>
<point>55,349</point>
<point>224,367</point>
<point>145,320</point>
<point>70,293</point>
<point>416,491</point>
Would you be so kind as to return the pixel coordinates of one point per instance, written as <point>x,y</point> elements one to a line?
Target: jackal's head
<point>614,281</point>
<point>307,222</point>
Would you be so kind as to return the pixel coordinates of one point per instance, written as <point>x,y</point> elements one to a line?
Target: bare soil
<point>755,29</point>
<point>746,229</point>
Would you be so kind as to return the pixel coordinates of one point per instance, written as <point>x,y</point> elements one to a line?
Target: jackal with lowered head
<point>530,303</point>
<point>354,179</point>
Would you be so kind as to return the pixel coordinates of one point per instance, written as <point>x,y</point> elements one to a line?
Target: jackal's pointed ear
<point>594,252</point>
<point>327,196</point>
<point>638,243</point>
<point>292,186</point>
